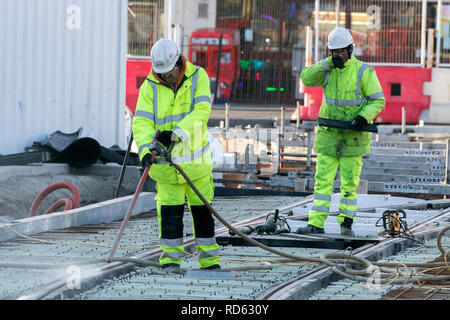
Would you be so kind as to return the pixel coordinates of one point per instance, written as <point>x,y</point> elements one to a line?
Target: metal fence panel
<point>443,34</point>
<point>384,32</point>
<point>144,25</point>
<point>270,42</point>
<point>272,38</point>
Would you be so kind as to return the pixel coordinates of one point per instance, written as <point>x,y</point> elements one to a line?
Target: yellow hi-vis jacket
<point>186,113</point>
<point>348,92</point>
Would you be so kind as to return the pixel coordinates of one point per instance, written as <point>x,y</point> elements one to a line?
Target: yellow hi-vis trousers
<point>170,200</point>
<point>326,168</point>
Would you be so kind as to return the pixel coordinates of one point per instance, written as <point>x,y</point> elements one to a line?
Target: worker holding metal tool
<point>176,99</point>
<point>352,95</point>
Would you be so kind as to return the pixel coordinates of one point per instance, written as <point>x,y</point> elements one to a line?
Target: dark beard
<point>338,62</point>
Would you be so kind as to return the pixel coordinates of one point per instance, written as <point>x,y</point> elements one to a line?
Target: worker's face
<point>341,53</point>
<point>171,77</point>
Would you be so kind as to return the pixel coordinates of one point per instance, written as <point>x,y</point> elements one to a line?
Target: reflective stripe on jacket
<point>186,113</point>
<point>348,92</point>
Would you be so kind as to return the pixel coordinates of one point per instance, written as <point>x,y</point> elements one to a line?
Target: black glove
<point>338,63</point>
<point>165,138</point>
<point>146,160</point>
<point>358,123</point>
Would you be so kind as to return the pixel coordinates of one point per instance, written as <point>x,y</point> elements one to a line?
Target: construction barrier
<point>137,72</point>
<point>313,98</point>
<point>402,87</point>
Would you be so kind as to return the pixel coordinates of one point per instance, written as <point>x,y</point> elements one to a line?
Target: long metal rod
<point>279,71</point>
<point>233,170</point>
<point>316,30</point>
<point>227,116</point>
<point>302,155</point>
<point>309,154</point>
<point>430,47</point>
<point>438,31</point>
<point>446,163</point>
<point>423,33</point>
<point>403,120</point>
<point>337,9</point>
<point>394,64</point>
<point>219,53</point>
<point>242,181</point>
<point>124,166</point>
<point>128,214</point>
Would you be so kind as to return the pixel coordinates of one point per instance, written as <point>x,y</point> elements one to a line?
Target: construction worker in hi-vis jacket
<point>176,99</point>
<point>352,93</point>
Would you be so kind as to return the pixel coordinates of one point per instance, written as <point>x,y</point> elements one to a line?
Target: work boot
<point>346,227</point>
<point>212,267</point>
<point>171,268</point>
<point>309,229</point>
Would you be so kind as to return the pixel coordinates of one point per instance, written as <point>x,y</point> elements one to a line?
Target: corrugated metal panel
<point>62,67</point>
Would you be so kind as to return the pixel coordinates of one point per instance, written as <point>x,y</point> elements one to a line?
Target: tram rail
<point>298,285</point>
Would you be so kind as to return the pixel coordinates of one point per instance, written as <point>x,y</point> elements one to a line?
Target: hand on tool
<point>146,160</point>
<point>166,137</point>
<point>358,123</point>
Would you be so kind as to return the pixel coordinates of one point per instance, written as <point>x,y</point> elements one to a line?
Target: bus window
<point>200,58</point>
<point>225,58</point>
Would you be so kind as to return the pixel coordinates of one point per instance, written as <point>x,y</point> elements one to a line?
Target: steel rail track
<point>58,289</point>
<point>304,285</point>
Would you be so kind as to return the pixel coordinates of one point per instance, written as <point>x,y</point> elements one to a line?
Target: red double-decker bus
<point>204,51</point>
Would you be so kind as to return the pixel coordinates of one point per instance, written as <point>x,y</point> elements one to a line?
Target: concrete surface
<point>103,212</point>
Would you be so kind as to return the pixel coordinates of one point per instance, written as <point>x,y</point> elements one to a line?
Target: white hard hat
<point>164,55</point>
<point>339,38</point>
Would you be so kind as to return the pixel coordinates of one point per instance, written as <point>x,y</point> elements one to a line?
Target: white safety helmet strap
<point>339,38</point>
<point>164,55</point>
